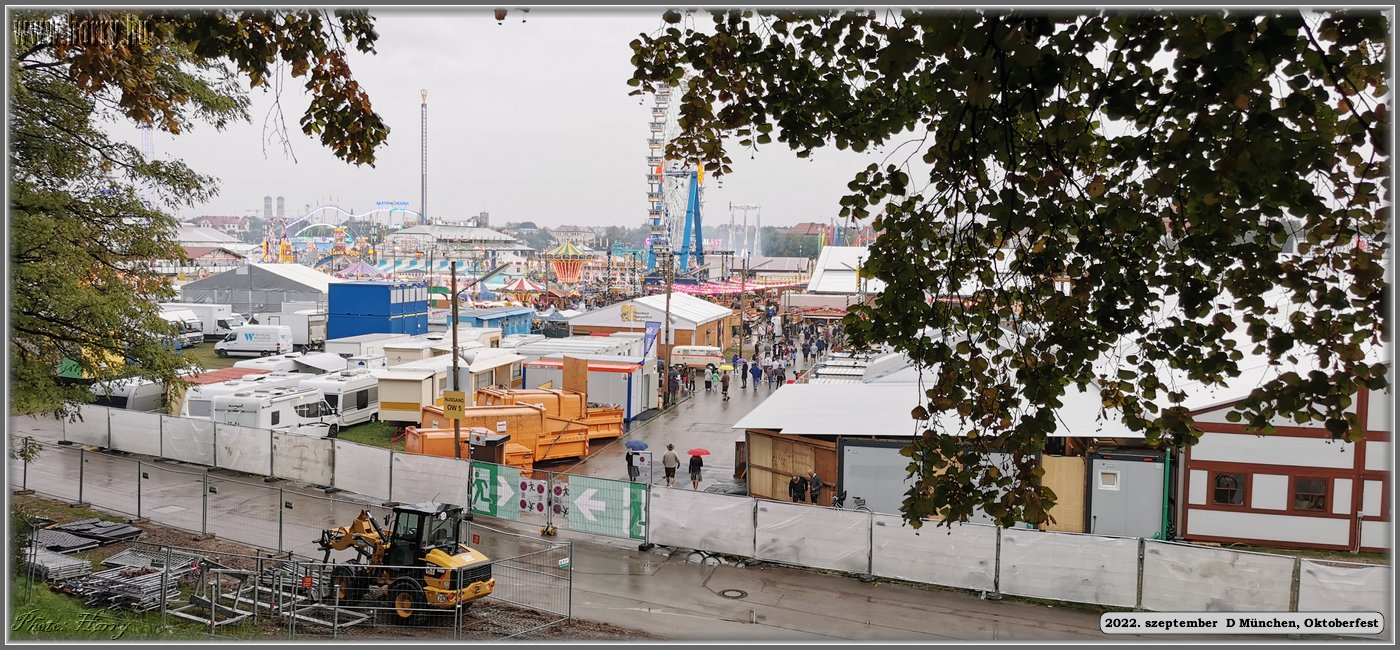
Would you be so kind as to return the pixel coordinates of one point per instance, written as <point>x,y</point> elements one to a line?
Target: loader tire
<point>348,581</point>
<point>409,605</point>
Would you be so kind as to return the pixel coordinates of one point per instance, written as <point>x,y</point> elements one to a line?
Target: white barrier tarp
<point>706,522</point>
<point>135,432</point>
<point>965,557</point>
<point>243,449</point>
<point>188,440</point>
<point>811,536</point>
<point>301,458</point>
<point>362,469</point>
<point>1074,568</point>
<point>1350,588</point>
<point>1183,578</point>
<point>419,478</point>
<point>91,429</point>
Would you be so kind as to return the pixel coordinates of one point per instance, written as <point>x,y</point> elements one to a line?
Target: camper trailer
<point>131,393</point>
<point>364,345</point>
<point>368,362</point>
<point>315,363</point>
<point>354,394</point>
<point>399,353</point>
<point>198,399</point>
<point>477,368</point>
<point>294,410</point>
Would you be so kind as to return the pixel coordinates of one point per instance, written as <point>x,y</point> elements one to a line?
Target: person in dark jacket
<point>797,488</point>
<point>695,464</point>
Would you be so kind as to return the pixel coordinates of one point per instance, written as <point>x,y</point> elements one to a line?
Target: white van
<point>293,410</point>
<point>256,341</point>
<point>697,356</point>
<point>353,394</point>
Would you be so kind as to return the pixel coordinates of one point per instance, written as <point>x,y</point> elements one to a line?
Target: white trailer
<point>198,399</point>
<point>294,410</point>
<point>308,327</point>
<point>316,363</point>
<point>191,331</point>
<point>218,320</point>
<point>368,362</point>
<point>364,345</point>
<point>404,393</point>
<point>131,393</point>
<point>354,394</point>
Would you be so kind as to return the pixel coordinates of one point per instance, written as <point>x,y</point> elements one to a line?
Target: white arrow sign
<point>587,505</point>
<point>504,492</point>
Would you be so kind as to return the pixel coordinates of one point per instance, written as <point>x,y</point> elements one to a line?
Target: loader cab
<point>421,528</point>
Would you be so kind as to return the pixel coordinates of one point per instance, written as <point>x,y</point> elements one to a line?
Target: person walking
<point>709,379</point>
<point>797,488</point>
<point>744,375</point>
<point>695,464</point>
<point>806,351</point>
<point>669,462</point>
<point>792,357</point>
<point>633,471</point>
<point>724,385</point>
<point>757,371</point>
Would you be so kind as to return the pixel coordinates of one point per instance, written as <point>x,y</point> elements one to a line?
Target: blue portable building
<point>375,307</point>
<point>510,320</point>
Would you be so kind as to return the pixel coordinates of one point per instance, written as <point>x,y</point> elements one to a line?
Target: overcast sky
<point>527,121</point>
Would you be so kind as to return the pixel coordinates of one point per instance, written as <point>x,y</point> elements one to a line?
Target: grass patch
<point>378,434</point>
<point>204,355</point>
<point>62,513</point>
<point>41,614</point>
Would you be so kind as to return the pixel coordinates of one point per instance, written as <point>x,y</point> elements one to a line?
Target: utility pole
<point>423,199</point>
<point>456,375</point>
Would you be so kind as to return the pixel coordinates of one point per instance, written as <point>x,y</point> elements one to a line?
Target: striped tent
<point>567,260</point>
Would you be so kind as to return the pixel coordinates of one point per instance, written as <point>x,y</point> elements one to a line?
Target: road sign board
<point>454,404</point>
<point>493,491</point>
<point>605,507</point>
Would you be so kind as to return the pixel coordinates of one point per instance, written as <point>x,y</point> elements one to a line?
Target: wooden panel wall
<point>1066,476</point>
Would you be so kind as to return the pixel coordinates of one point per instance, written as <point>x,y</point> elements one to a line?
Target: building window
<point>1310,494</point>
<point>1227,489</point>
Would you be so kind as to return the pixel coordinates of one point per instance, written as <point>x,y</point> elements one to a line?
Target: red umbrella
<point>699,451</point>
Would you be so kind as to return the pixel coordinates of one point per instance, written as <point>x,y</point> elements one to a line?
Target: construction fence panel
<point>172,495</point>
<point>90,427</point>
<point>304,516</point>
<point>418,478</point>
<point>244,512</point>
<point>243,449</point>
<point>598,506</point>
<point>135,432</point>
<point>822,538</point>
<point>1086,568</point>
<point>1184,578</point>
<point>703,521</point>
<point>1343,587</point>
<point>500,544</point>
<point>540,581</point>
<point>302,458</point>
<point>187,439</point>
<point>55,472</point>
<point>16,469</point>
<point>362,469</point>
<point>964,556</point>
<point>107,482</point>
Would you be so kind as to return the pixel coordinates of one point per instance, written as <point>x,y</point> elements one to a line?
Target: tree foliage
<point>89,213</point>
<point>1118,185</point>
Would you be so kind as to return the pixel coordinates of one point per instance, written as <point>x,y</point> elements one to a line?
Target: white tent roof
<point>687,312</point>
<point>836,271</point>
<point>884,410</point>
<point>302,274</point>
<point>194,235</point>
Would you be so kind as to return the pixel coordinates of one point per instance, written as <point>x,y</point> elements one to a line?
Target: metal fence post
<point>82,465</point>
<point>1141,571</point>
<point>109,430</point>
<point>1297,585</point>
<point>470,478</point>
<point>281,513</point>
<point>272,453</point>
<point>390,495</point>
<point>138,489</point>
<point>216,443</point>
<point>870,572</point>
<point>164,585</point>
<point>996,576</point>
<point>549,502</point>
<point>28,449</point>
<point>160,429</point>
<point>204,510</point>
<point>646,515</point>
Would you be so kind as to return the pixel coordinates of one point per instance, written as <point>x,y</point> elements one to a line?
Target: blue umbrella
<point>636,445</point>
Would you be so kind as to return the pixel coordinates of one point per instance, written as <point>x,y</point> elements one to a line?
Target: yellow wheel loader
<point>417,559</point>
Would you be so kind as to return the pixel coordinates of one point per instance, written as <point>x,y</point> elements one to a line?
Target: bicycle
<point>839,502</point>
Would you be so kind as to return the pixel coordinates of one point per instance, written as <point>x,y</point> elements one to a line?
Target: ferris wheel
<point>673,186</point>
